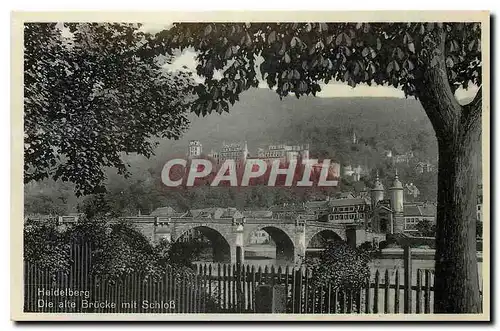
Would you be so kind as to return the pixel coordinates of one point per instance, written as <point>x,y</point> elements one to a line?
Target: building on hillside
<point>195,149</point>
<point>415,213</point>
<point>233,151</point>
<point>388,153</point>
<point>283,152</point>
<point>349,211</point>
<point>347,170</point>
<point>411,191</point>
<point>345,195</point>
<point>288,210</point>
<point>318,208</point>
<point>403,158</point>
<point>424,167</point>
<point>257,214</point>
<point>354,172</point>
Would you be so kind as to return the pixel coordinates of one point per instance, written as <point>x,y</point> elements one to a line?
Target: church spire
<point>396,183</point>
<point>378,184</point>
<point>377,192</point>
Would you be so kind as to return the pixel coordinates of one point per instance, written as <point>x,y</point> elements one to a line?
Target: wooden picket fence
<point>220,288</point>
<point>383,293</point>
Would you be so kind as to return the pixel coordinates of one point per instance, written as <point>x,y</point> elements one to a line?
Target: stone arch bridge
<point>291,236</point>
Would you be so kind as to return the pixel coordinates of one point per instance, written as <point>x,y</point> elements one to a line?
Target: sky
<point>187,61</point>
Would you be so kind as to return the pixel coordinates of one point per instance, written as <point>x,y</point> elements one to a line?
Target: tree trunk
<point>458,131</point>
<point>456,280</point>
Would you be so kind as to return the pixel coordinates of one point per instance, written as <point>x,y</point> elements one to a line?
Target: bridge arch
<point>282,238</point>
<point>221,249</point>
<point>319,238</point>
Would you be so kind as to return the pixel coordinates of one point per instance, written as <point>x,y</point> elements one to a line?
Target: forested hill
<point>261,118</point>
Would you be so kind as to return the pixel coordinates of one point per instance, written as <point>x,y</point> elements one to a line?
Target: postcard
<point>250,166</point>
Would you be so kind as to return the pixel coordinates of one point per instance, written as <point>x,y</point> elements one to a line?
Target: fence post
<point>407,277</point>
<point>270,299</point>
<point>297,291</point>
<point>239,284</point>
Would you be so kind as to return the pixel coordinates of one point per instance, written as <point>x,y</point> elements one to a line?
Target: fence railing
<point>221,288</point>
<point>385,292</point>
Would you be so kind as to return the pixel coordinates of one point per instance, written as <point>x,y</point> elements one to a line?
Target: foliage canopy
<point>91,93</point>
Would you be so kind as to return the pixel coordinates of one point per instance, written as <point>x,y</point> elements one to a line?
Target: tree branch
<point>434,89</point>
<point>477,102</point>
<point>471,113</point>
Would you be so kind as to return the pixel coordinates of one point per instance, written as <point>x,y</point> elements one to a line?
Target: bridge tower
<point>377,192</point>
<point>237,245</point>
<point>397,203</point>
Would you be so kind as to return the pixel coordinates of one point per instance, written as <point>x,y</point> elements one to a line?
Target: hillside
<point>261,118</point>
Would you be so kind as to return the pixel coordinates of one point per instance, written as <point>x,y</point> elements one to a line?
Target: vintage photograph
<point>233,166</point>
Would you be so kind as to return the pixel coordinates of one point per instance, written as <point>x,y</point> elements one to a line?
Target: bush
<point>341,266</point>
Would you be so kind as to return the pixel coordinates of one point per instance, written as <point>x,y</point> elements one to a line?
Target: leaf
<point>271,38</point>
<point>296,74</point>
<point>407,38</point>
<point>248,40</point>
<point>379,44</point>
<point>286,87</point>
<point>282,49</point>
<point>219,108</point>
<point>411,48</point>
<point>390,67</point>
<point>365,52</point>
<point>346,76</point>
<point>409,65</point>
<point>347,40</point>
<point>422,28</point>
<point>338,40</point>
<point>400,53</point>
<point>356,69</point>
<point>208,29</point>
<point>330,64</point>
<point>449,62</point>
<point>287,58</point>
<point>228,53</point>
<point>396,66</point>
<point>471,45</point>
<point>209,106</point>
